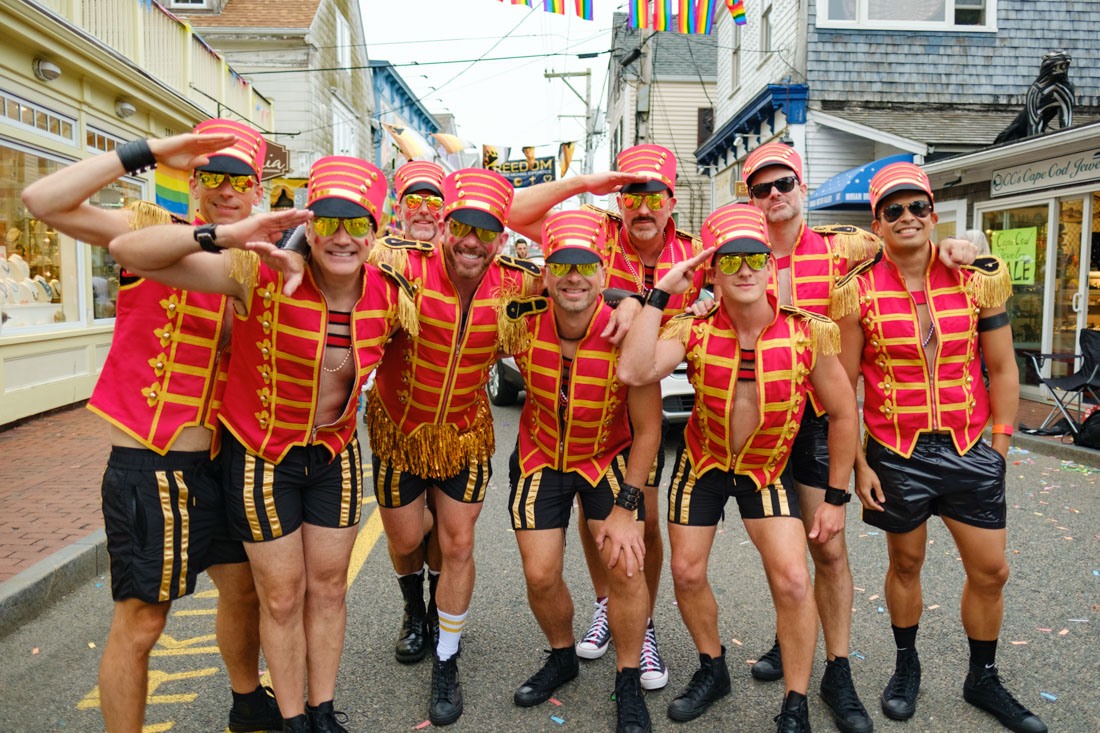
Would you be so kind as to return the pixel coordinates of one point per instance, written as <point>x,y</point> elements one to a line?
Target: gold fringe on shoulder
<point>678,328</point>
<point>433,451</point>
<point>844,299</point>
<point>395,257</point>
<point>144,214</point>
<point>407,313</point>
<point>511,334</point>
<point>989,283</point>
<point>857,245</point>
<point>243,266</point>
<point>826,334</point>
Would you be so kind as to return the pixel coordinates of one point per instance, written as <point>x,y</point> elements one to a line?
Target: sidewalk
<point>51,529</point>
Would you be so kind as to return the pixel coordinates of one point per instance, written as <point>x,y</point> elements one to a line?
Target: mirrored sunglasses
<point>561,269</point>
<point>413,201</point>
<point>919,209</point>
<point>459,229</point>
<point>785,184</point>
<point>242,184</point>
<point>327,225</point>
<point>655,201</point>
<point>731,264</point>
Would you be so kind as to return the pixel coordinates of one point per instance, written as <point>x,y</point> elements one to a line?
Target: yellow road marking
<point>207,594</point>
<point>169,642</point>
<point>364,543</point>
<point>156,679</point>
<point>158,728</point>
<point>196,612</point>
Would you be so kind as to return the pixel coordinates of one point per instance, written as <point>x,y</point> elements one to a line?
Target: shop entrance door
<point>1070,289</point>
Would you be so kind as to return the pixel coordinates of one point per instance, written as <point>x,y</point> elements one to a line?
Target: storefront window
<point>1019,236</point>
<point>105,271</point>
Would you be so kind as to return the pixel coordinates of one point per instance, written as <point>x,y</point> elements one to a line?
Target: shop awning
<point>848,190</point>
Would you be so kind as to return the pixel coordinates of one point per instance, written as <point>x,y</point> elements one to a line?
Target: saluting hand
<point>185,152</point>
<point>681,277</point>
<point>601,184</point>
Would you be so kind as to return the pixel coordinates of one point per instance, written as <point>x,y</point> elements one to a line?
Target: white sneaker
<point>595,642</point>
<point>654,670</point>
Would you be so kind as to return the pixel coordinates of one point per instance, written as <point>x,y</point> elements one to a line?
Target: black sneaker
<point>709,683</point>
<point>326,720</point>
<point>795,715</point>
<point>769,667</point>
<point>446,704</point>
<point>412,640</point>
<point>899,699</point>
<point>561,666</point>
<point>631,713</point>
<point>839,694</point>
<point>255,711</point>
<point>297,724</point>
<point>986,690</point>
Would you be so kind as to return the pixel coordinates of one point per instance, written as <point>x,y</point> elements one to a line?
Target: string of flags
<point>693,16</point>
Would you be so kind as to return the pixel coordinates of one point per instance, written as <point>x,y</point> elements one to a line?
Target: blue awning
<point>848,190</point>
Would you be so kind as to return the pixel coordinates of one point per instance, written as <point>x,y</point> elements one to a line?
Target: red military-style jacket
<point>428,412</point>
<point>278,345</point>
<point>904,395</point>
<point>159,373</point>
<point>596,426</point>
<point>786,352</point>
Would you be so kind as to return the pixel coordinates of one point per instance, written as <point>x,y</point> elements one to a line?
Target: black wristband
<point>204,235</point>
<point>295,241</point>
<point>136,157</point>
<point>629,497</point>
<point>990,323</point>
<point>657,298</point>
<point>837,497</point>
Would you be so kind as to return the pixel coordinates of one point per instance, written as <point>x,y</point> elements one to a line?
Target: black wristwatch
<point>837,497</point>
<point>294,240</point>
<point>657,298</point>
<point>204,235</point>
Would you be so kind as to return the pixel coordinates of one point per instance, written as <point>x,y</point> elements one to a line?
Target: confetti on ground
<point>423,725</point>
<point>1063,632</point>
<point>931,542</point>
<point>750,661</point>
<point>99,585</point>
<point>34,651</point>
<point>863,535</point>
<point>555,701</point>
<point>881,609</point>
<point>1048,696</point>
<point>1067,537</point>
<point>873,534</point>
<point>1078,620</point>
<point>675,603</point>
<point>91,645</point>
<point>556,719</point>
<point>746,542</point>
<point>933,607</point>
<point>721,531</point>
<point>864,590</point>
<point>1096,573</point>
<point>735,641</point>
<point>1045,631</point>
<point>1018,643</point>
<point>857,655</point>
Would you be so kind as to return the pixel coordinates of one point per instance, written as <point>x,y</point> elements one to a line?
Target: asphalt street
<point>1048,652</point>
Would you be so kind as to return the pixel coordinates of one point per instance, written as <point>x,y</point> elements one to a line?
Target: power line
<point>427,63</point>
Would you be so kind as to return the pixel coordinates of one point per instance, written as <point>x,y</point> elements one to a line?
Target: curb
<point>27,594</point>
<point>1065,451</point>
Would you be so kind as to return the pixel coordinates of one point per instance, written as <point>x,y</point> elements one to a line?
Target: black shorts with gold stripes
<point>394,487</point>
<point>700,501</point>
<point>544,499</point>
<point>270,500</point>
<point>163,515</point>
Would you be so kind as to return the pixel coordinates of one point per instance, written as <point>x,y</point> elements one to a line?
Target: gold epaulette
<point>512,333</point>
<point>520,308</point>
<point>243,267</point>
<point>602,212</point>
<point>406,303</point>
<point>144,214</point>
<point>990,283</point>
<point>530,272</point>
<point>844,298</point>
<point>678,327</point>
<point>394,251</point>
<point>855,244</point>
<point>825,333</point>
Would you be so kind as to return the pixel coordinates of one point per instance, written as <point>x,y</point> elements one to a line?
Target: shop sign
<point>521,174</point>
<point>1017,248</point>
<point>278,161</point>
<point>1062,171</point>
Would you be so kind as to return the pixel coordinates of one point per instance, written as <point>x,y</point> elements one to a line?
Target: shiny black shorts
<point>544,499</point>
<point>700,501</point>
<point>394,487</point>
<point>809,460</point>
<point>936,480</point>
<point>165,522</point>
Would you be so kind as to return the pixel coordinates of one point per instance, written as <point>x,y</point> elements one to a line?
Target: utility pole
<point>641,100</point>
<point>589,116</point>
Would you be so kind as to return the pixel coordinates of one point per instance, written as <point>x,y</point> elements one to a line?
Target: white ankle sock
<point>450,633</point>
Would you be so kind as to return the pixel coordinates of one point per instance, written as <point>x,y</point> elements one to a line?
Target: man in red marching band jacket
<point>154,393</point>
<point>738,442</point>
<point>428,415</point>
<point>644,244</point>
<point>293,466</point>
<point>918,332</point>
<point>575,441</point>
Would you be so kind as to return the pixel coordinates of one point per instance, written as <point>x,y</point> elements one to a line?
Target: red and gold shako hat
<point>346,187</point>
<point>418,175</point>
<point>736,229</point>
<point>651,160</point>
<point>243,158</point>
<point>574,237</point>
<point>898,177</point>
<point>771,154</point>
<point>478,197</point>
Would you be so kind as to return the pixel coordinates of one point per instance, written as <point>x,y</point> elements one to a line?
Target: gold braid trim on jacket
<point>825,333</point>
<point>147,214</point>
<point>855,244</point>
<point>990,283</point>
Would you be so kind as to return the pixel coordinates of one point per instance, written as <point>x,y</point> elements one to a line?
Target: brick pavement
<point>50,471</point>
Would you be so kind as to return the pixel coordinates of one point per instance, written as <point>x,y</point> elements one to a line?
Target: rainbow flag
<point>737,10</point>
<point>584,9</point>
<point>638,11</point>
<point>662,11</point>
<point>554,6</point>
<point>684,24</point>
<point>172,190</point>
<point>704,16</point>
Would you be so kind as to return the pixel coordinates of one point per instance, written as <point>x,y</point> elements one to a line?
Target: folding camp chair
<point>1085,381</point>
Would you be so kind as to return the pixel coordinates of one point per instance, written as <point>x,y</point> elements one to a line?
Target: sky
<point>497,102</point>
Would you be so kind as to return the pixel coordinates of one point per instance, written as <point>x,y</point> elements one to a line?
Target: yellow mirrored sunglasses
<point>327,225</point>
<point>731,264</point>
<point>243,184</point>
<point>459,229</point>
<point>561,269</point>
<point>655,201</point>
<point>413,201</point>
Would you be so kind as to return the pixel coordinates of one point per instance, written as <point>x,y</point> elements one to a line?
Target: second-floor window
<point>343,43</point>
<point>735,60</point>
<point>766,28</point>
<point>913,15</point>
<point>345,140</point>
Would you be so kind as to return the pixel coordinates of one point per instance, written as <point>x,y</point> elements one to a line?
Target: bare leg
<point>627,608</point>
<point>983,557</point>
<point>327,553</point>
<point>902,587</point>
<point>832,578</point>
<point>238,624</point>
<point>455,524</point>
<point>542,551</point>
<point>690,551</point>
<point>124,669</point>
<point>404,527</point>
<point>781,542</point>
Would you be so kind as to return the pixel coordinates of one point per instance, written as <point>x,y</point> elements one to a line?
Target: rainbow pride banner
<point>172,191</point>
<point>737,10</point>
<point>704,17</point>
<point>584,9</point>
<point>662,12</point>
<point>554,6</point>
<point>638,13</point>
